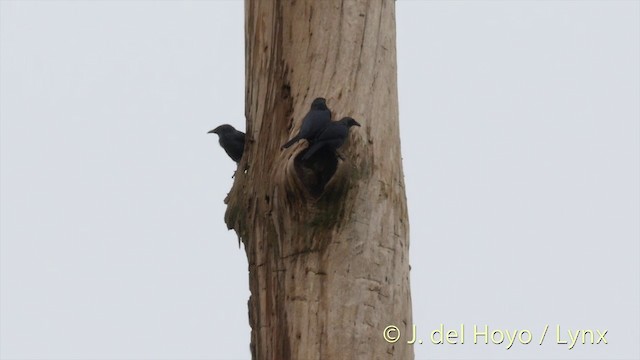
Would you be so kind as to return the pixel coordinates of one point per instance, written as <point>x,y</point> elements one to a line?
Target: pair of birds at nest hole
<point>317,128</point>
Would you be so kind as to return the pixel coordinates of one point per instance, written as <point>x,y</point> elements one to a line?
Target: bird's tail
<point>312,150</point>
<point>291,142</point>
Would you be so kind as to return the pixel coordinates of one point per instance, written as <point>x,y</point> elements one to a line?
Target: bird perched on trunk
<point>316,119</point>
<point>231,140</point>
<point>332,137</point>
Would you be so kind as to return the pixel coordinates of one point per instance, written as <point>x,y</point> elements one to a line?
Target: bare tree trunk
<point>328,261</point>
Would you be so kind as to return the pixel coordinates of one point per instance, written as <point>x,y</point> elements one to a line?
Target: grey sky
<point>521,146</point>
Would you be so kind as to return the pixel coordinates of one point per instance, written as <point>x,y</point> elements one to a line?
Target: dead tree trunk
<point>328,245</point>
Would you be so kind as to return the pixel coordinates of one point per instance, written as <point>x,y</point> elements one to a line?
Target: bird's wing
<point>238,136</point>
<point>314,122</point>
<point>333,132</point>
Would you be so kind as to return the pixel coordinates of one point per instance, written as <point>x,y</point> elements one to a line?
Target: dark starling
<point>332,137</point>
<point>231,140</point>
<point>316,119</point>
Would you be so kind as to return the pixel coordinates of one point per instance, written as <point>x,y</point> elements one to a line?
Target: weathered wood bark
<point>328,263</point>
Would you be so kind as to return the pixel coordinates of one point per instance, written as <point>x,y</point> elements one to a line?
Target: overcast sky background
<point>521,145</point>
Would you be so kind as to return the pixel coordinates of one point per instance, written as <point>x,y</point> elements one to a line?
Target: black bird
<point>332,137</point>
<point>316,119</point>
<point>231,140</point>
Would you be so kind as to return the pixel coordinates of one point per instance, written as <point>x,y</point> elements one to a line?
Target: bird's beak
<point>356,123</point>
<point>212,131</point>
